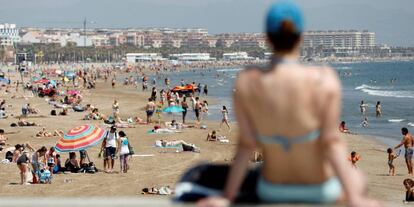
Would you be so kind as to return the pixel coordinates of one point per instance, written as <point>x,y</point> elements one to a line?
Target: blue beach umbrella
<point>173,109</point>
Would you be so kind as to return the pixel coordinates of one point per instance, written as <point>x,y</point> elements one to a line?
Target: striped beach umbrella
<point>81,138</point>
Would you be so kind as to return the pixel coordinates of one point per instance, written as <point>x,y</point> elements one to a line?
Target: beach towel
<point>162,131</point>
<point>158,144</point>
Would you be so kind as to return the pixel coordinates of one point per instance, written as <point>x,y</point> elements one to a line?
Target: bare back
<point>289,101</point>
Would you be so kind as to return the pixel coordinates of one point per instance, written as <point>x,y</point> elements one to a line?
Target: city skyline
<point>389,20</point>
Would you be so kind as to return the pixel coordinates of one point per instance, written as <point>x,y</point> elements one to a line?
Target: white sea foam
<point>376,91</point>
<point>363,86</point>
<point>230,70</point>
<point>387,93</point>
<point>410,124</point>
<point>343,68</point>
<point>396,120</point>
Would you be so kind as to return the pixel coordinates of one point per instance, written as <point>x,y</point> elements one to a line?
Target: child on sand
<point>391,158</point>
<point>354,158</point>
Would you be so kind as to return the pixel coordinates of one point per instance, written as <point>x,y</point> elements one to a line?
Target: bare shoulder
<point>247,76</point>
<point>329,77</point>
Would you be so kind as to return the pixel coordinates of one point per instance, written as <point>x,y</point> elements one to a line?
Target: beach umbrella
<point>81,138</point>
<point>173,109</point>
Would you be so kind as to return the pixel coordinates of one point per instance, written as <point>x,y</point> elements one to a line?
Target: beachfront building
<point>191,57</point>
<point>339,39</point>
<point>135,39</point>
<point>143,57</point>
<point>236,56</point>
<point>9,34</point>
<point>100,41</point>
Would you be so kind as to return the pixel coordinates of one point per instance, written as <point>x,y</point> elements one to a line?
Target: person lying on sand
<point>32,110</point>
<point>213,137</point>
<point>58,133</point>
<point>177,143</point>
<point>43,133</point>
<point>64,112</point>
<point>23,122</point>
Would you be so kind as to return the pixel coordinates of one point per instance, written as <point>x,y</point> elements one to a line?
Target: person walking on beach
<point>362,107</point>
<point>113,82</point>
<point>123,151</point>
<point>197,108</point>
<point>115,108</point>
<point>225,118</point>
<point>205,91</point>
<point>302,148</point>
<point>391,158</point>
<point>378,111</point>
<point>184,105</point>
<point>408,142</point>
<point>150,108</point>
<point>110,149</point>
<point>22,163</point>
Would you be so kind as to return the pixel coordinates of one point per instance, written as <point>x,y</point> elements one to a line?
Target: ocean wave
<point>364,86</point>
<point>396,120</point>
<point>384,93</point>
<point>343,68</point>
<point>410,124</point>
<point>230,70</point>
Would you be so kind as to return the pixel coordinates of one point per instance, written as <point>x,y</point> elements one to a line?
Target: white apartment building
<point>143,57</point>
<point>9,34</point>
<point>339,39</point>
<point>191,57</point>
<point>236,56</point>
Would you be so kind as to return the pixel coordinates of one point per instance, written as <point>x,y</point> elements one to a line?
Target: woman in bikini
<point>291,112</point>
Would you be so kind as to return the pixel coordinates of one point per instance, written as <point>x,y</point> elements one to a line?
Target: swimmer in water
<point>378,111</point>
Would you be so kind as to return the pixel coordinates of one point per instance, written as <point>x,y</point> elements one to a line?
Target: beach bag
<point>131,149</point>
<point>45,176</point>
<point>91,168</point>
<point>53,113</point>
<point>197,183</point>
<point>9,156</point>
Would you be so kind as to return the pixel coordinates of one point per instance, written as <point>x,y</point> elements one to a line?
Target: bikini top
<point>286,142</point>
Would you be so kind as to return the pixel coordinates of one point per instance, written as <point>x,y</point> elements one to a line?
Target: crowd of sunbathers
<point>38,166</point>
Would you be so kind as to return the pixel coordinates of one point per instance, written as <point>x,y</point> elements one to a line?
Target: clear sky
<point>392,20</point>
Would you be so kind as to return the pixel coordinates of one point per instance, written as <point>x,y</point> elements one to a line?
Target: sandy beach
<point>160,167</point>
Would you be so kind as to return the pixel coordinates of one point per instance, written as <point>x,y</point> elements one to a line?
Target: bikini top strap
<point>286,143</point>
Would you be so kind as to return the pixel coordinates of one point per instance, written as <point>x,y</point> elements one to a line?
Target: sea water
<point>391,83</point>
